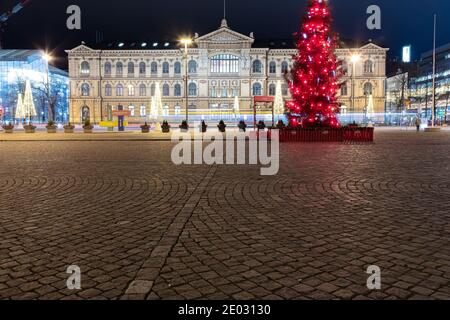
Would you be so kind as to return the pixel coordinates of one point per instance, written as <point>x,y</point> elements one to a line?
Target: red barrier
<point>346,135</point>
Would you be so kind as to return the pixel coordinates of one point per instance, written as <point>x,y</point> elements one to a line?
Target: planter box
<point>145,129</point>
<point>8,129</point>
<point>29,129</point>
<point>51,129</point>
<point>69,129</point>
<point>165,129</point>
<point>89,129</point>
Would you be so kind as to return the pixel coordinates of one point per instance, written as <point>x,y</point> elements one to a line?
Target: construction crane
<point>7,15</point>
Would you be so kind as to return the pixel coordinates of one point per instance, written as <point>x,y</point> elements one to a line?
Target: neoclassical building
<point>220,65</point>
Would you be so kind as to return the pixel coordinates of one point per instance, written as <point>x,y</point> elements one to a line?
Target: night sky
<point>42,24</point>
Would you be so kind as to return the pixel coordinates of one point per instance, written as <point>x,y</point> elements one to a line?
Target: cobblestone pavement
<point>141,228</point>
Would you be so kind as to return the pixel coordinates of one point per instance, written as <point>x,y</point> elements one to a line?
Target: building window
<point>131,108</point>
<point>192,66</point>
<point>257,89</point>
<point>224,92</point>
<point>192,89</point>
<point>143,111</point>
<point>107,69</point>
<point>272,90</point>
<point>130,90</point>
<point>177,68</point>
<point>177,90</point>
<point>152,89</point>
<point>344,66</point>
<point>368,66</point>
<point>119,69</point>
<point>166,90</point>
<point>284,89</point>
<point>368,89</point>
<point>108,90</point>
<point>119,90</point>
<point>284,67</point>
<point>213,92</point>
<point>225,63</point>
<point>273,67</point>
<point>142,90</point>
<point>166,112</point>
<point>131,69</point>
<point>177,110</point>
<point>85,68</point>
<point>257,66</point>
<point>165,67</point>
<point>142,69</point>
<point>85,90</point>
<point>154,68</point>
<point>344,90</point>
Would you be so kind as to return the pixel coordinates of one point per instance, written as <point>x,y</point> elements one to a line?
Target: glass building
<point>48,84</point>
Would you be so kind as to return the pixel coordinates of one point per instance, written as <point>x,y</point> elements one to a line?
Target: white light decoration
<point>278,104</point>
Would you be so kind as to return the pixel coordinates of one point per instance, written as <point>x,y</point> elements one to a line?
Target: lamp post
<point>186,42</point>
<point>355,58</point>
<point>48,58</point>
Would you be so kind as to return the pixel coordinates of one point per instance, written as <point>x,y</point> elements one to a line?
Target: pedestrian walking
<point>418,123</point>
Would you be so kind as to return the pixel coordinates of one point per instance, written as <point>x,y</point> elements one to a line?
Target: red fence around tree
<point>346,135</point>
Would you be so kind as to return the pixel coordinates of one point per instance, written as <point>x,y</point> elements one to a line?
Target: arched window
<point>142,90</point>
<point>177,68</point>
<point>152,89</point>
<point>130,90</point>
<point>344,90</point>
<point>273,67</point>
<point>284,89</point>
<point>192,66</point>
<point>154,68</point>
<point>257,89</point>
<point>177,110</point>
<point>119,90</point>
<point>177,90</point>
<point>108,90</point>
<point>130,69</point>
<point>166,111</point>
<point>344,66</point>
<point>368,89</point>
<point>85,90</point>
<point>85,68</point>
<point>142,69</point>
<point>165,67</point>
<point>166,90</point>
<point>272,90</point>
<point>131,108</point>
<point>107,69</point>
<point>119,69</point>
<point>257,66</point>
<point>143,111</point>
<point>285,67</point>
<point>192,89</point>
<point>368,66</point>
<point>225,63</point>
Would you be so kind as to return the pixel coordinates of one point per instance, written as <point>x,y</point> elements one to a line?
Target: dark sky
<point>43,23</point>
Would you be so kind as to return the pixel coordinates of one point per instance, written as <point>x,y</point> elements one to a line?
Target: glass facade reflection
<point>48,84</point>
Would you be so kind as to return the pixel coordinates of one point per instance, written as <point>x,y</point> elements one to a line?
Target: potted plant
<point>242,126</point>
<point>203,127</point>
<point>88,127</point>
<point>280,125</point>
<point>145,128</point>
<point>9,127</point>
<point>261,125</point>
<point>69,128</point>
<point>165,128</point>
<point>51,127</point>
<point>222,126</point>
<point>29,128</point>
<point>184,127</point>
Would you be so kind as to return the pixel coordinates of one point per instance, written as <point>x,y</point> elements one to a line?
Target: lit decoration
<point>278,104</point>
<point>28,103</point>
<point>157,107</point>
<point>236,107</point>
<point>314,79</point>
<point>20,110</point>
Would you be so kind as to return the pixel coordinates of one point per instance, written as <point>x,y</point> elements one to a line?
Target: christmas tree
<point>28,103</point>
<point>314,76</point>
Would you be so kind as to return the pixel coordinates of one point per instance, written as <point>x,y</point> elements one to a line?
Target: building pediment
<point>81,49</point>
<point>224,37</point>
<point>373,46</point>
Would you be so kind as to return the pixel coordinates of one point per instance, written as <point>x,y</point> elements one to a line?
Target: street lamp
<point>355,58</point>
<point>186,42</point>
<point>47,57</point>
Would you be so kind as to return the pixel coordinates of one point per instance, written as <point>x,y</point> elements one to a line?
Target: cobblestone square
<point>140,227</point>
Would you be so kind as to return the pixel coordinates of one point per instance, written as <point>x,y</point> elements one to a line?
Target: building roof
<point>20,55</point>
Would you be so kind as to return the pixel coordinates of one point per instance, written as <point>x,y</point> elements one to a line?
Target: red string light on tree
<point>314,77</point>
